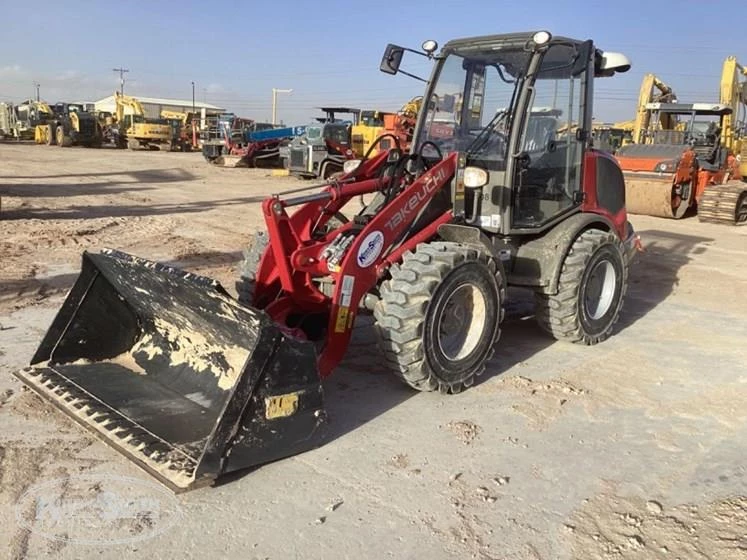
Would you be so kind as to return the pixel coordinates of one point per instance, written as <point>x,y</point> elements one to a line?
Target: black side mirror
<point>582,57</point>
<point>392,59</point>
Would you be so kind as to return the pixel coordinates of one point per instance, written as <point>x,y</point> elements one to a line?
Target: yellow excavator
<point>650,85</point>
<point>726,203</point>
<point>734,94</point>
<point>137,131</point>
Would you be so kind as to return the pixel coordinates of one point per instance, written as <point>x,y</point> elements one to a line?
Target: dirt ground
<point>631,449</point>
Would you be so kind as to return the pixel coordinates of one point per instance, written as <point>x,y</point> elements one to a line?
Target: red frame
<point>292,260</point>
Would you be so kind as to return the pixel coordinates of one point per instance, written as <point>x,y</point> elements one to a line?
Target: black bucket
<point>177,375</point>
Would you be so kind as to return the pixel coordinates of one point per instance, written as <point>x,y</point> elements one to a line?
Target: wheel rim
<point>461,325</point>
<point>600,290</point>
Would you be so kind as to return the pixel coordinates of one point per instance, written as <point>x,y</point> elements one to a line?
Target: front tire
<point>63,140</point>
<point>439,315</point>
<point>50,136</point>
<point>591,290</point>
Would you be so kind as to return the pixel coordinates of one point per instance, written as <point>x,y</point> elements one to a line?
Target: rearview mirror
<point>392,59</point>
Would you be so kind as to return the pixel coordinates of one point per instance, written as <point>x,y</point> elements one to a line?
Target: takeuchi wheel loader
<point>190,383</point>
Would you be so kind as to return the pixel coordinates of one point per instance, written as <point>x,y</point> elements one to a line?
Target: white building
<point>154,105</point>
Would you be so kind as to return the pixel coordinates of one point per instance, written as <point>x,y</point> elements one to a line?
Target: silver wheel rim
<point>462,322</point>
<point>600,290</point>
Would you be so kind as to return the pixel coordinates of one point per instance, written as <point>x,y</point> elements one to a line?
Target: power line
<point>122,72</point>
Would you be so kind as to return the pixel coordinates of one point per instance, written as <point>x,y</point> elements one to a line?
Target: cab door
<point>548,170</point>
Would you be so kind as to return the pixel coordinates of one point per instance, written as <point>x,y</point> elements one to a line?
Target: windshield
<point>682,129</point>
<point>372,118</point>
<point>488,87</point>
<point>471,105</point>
<point>337,133</point>
<point>75,108</point>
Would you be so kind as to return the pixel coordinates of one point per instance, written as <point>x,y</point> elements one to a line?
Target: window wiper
<point>483,135</point>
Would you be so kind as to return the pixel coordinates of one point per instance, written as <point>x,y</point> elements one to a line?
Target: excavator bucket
<point>172,372</point>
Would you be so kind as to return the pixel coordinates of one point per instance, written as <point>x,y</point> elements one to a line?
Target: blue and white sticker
<point>347,290</point>
<point>370,249</point>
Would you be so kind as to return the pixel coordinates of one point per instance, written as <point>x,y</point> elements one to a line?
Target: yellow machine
<point>733,92</point>
<point>39,112</point>
<point>369,128</point>
<point>649,86</point>
<point>183,137</point>
<point>136,129</point>
<point>374,124</point>
<point>67,124</point>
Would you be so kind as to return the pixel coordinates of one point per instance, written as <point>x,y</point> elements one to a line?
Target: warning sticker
<point>341,322</point>
<point>347,290</point>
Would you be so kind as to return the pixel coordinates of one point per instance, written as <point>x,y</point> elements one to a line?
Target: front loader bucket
<point>175,374</point>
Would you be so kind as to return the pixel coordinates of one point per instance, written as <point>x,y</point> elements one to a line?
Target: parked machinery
<point>610,137</point>
<point>191,384</point>
<point>231,141</point>
<point>379,129</point>
<point>70,125</point>
<point>325,146</point>
<point>687,156</point>
<point>652,90</point>
<point>19,121</point>
<point>727,203</point>
<point>135,130</point>
<point>183,129</point>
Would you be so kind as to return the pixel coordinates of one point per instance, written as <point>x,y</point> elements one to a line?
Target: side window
<point>550,179</point>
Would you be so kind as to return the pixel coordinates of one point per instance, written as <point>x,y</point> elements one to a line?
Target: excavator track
<point>724,204</point>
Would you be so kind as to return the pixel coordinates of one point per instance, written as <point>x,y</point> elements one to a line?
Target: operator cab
<point>518,107</point>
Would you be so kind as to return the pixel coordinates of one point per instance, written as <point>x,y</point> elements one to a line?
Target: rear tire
<point>591,290</point>
<point>439,315</point>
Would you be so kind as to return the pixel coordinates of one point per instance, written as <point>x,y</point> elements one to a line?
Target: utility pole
<point>37,85</point>
<point>122,72</point>
<point>193,97</point>
<point>275,92</point>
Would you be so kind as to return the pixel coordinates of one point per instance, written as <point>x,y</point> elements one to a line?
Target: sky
<point>328,51</point>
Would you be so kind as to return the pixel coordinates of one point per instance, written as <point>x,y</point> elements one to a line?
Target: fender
<point>538,262</point>
<point>470,235</point>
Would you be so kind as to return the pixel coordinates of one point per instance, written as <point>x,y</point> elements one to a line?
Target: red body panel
<point>284,277</point>
<point>591,202</point>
